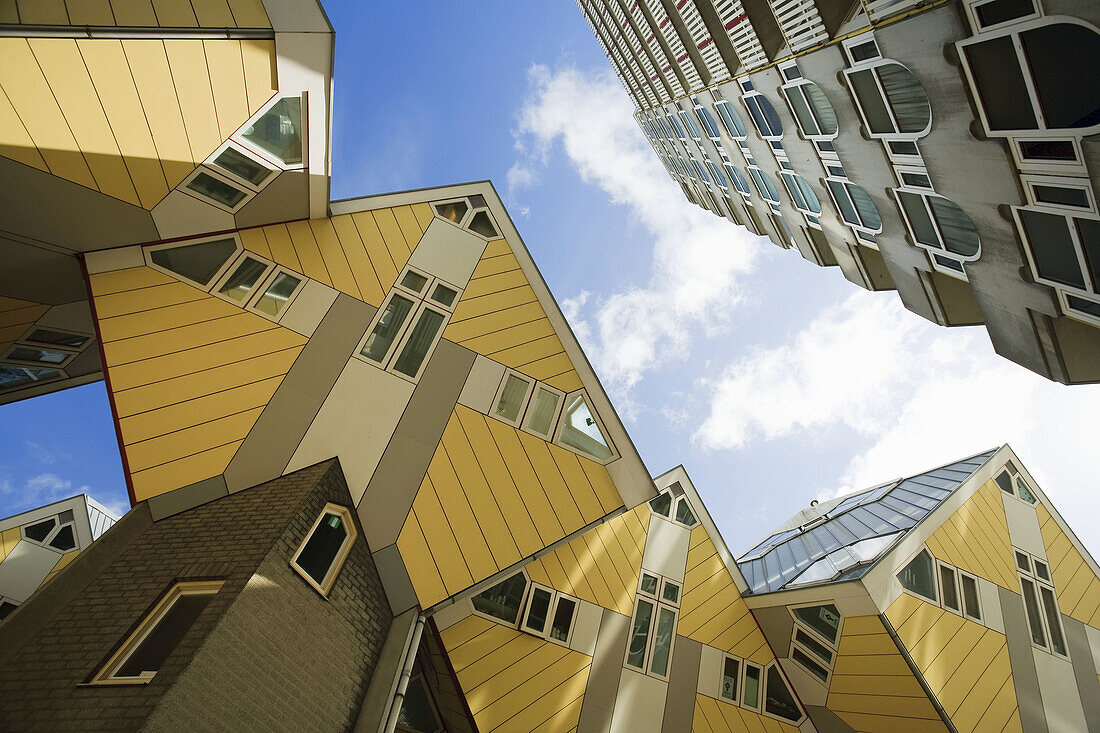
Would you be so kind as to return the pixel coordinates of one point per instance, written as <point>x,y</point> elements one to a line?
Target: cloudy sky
<point>772,380</point>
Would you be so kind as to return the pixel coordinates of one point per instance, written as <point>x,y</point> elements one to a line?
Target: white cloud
<point>697,258</point>
<point>915,395</point>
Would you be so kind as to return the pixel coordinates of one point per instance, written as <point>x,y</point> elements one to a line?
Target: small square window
<point>511,398</point>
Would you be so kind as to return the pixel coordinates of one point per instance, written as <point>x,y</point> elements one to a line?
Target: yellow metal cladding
<point>716,716</point>
<point>16,318</point>
<point>360,254</point>
<point>712,611</point>
<point>872,688</point>
<point>190,374</point>
<point>9,538</point>
<point>130,118</point>
<point>493,495</point>
<point>975,538</point>
<point>1077,586</point>
<point>514,681</point>
<point>500,317</point>
<point>64,560</point>
<point>162,13</point>
<point>602,565</point>
<point>965,664</point>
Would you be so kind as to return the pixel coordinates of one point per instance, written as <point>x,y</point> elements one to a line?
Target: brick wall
<point>273,644</point>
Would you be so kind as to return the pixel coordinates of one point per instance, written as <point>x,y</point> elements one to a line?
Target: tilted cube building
<point>945,150</point>
<point>377,486</point>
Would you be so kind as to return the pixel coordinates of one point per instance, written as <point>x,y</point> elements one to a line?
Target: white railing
<point>881,9</point>
<point>672,38</point>
<point>800,22</point>
<point>700,36</point>
<point>663,59</point>
<point>741,33</point>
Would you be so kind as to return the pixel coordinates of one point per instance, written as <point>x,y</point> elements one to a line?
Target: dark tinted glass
<point>947,583</point>
<point>242,166</point>
<point>778,699</point>
<point>1052,247</point>
<point>1088,231</point>
<point>503,600</point>
<point>39,530</point>
<point>6,608</point>
<point>320,550</point>
<point>1054,53</point>
<point>198,262</point>
<point>482,225</point>
<point>538,610</point>
<point>825,620</point>
<point>162,640</point>
<point>45,336</point>
<point>213,188</point>
<point>917,576</point>
<point>1048,150</point>
<point>863,51</point>
<point>871,102</point>
<point>64,539</point>
<point>1000,11</point>
<point>1001,85</point>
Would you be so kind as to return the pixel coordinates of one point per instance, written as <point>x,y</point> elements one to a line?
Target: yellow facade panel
<point>148,62</point>
<point>131,278</point>
<point>64,560</point>
<point>437,530</point>
<point>258,59</point>
<point>493,265</point>
<point>174,14</point>
<point>551,675</point>
<point>76,94</point>
<point>163,319</point>
<point>187,60</point>
<point>575,478</point>
<point>9,538</point>
<point>424,215</point>
<point>525,354</point>
<point>495,283</point>
<point>561,499</point>
<point>111,75</point>
<point>43,12</point>
<point>282,247</point>
<point>491,343</point>
<point>473,307</point>
<point>491,463</point>
<point>410,227</point>
<point>975,538</point>
<point>146,299</point>
<point>213,14</point>
<point>515,320</point>
<point>203,357</point>
<point>334,258</point>
<point>31,97</point>
<point>385,267</point>
<point>425,577</point>
<point>891,723</point>
<point>227,83</point>
<point>391,233</point>
<point>134,12</point>
<point>527,482</point>
<point>895,685</point>
<point>182,472</point>
<point>249,14</point>
<point>461,518</point>
<point>199,410</point>
<point>567,382</point>
<point>307,252</point>
<point>253,240</point>
<point>207,382</point>
<point>548,368</point>
<point>195,439</point>
<point>471,477</point>
<point>362,269</point>
<point>15,141</point>
<point>159,343</point>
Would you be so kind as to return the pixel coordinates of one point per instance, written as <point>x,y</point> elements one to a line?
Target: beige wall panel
<point>514,681</point>
<point>110,260</point>
<point>448,252</point>
<point>481,385</point>
<point>1061,699</point>
<point>409,225</point>
<point>355,422</point>
<point>666,548</point>
<point>76,93</point>
<point>181,215</point>
<point>9,538</point>
<point>639,703</point>
<point>1023,526</point>
<point>31,97</point>
<point>866,653</point>
<point>976,539</point>
<point>24,569</point>
<point>308,308</point>
<point>110,74</point>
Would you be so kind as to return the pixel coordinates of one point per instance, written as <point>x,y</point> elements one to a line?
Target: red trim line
<point>739,19</point>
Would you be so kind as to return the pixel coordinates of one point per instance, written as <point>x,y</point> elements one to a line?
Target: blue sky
<point>772,380</point>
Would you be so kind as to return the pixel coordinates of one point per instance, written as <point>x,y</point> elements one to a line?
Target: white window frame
<point>265,283</point>
<point>897,134</point>
<point>972,15</point>
<point>912,169</point>
<point>1078,247</point>
<point>551,612</point>
<point>148,253</point>
<point>421,303</point>
<point>848,43</point>
<point>1041,165</point>
<point>935,577</point>
<point>924,195</point>
<point>940,566</point>
<point>52,534</point>
<point>774,205</point>
<point>813,218</point>
<point>760,691</point>
<point>1078,184</point>
<point>60,374</point>
<point>1014,30</point>
<point>599,423</point>
<point>531,382</point>
<point>219,175</point>
<point>106,673</point>
<point>904,159</point>
<point>790,689</point>
<point>789,88</point>
<point>659,602</point>
<point>272,172</point>
<point>26,338</point>
<point>868,234</point>
<point>1033,576</point>
<point>1071,311</point>
<point>325,586</point>
<point>7,358</point>
<point>737,683</point>
<point>236,262</point>
<point>732,133</point>
<point>980,618</point>
<point>770,136</point>
<point>270,158</point>
<point>673,506</point>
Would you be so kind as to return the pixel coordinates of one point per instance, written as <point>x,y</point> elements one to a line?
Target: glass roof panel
<point>854,534</point>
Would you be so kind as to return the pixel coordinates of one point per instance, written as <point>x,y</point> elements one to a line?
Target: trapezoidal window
<point>145,651</point>
<point>325,548</point>
<point>57,532</point>
<point>504,600</point>
<point>581,430</point>
<point>919,576</point>
<point>1036,79</point>
<point>778,700</point>
<point>197,262</point>
<point>14,377</point>
<point>891,99</point>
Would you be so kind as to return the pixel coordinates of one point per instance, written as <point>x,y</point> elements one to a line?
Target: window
<point>504,600</point>
<point>918,576</point>
<point>242,278</point>
<point>690,125</point>
<point>275,298</point>
<point>739,181</point>
<point>855,206</point>
<point>326,546</point>
<point>765,186</point>
<point>579,429</point>
<point>471,213</point>
<point>653,626</point>
<point>672,504</point>
<point>16,377</point>
<point>763,115</point>
<point>146,649</point>
<point>419,713</point>
<point>938,223</point>
<point>57,532</point>
<point>1041,604</point>
<point>803,196</point>
<point>277,131</point>
<point>1013,483</point>
<point>524,403</point>
<point>6,607</point>
<point>750,691</point>
<point>38,356</point>
<point>971,600</point>
<point>409,324</point>
<point>949,587</point>
<point>51,337</point>
<point>730,120</point>
<point>814,639</point>
<point>996,12</point>
<point>1064,252</point>
<point>197,262</point>
<point>1072,195</point>
<point>812,111</point>
<point>778,700</point>
<point>890,99</point>
<point>549,614</point>
<point>731,676</point>
<point>241,166</point>
<point>707,122</point>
